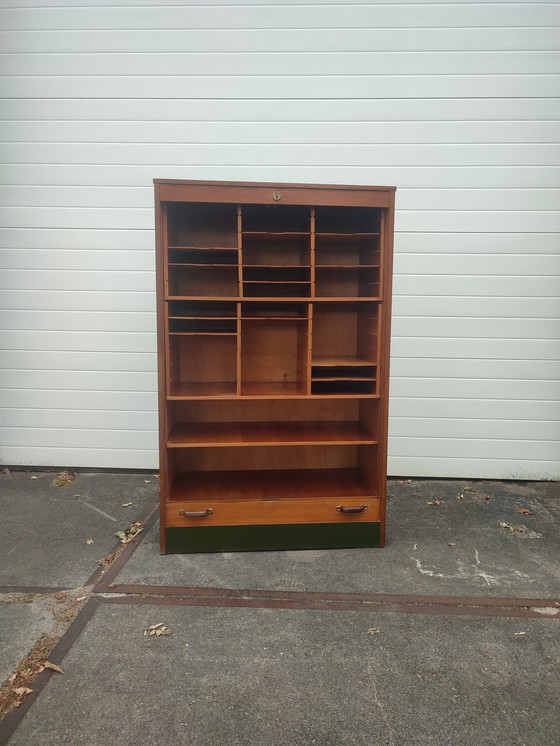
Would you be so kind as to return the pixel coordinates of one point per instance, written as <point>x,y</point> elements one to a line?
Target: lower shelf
<point>278,537</point>
<point>269,485</point>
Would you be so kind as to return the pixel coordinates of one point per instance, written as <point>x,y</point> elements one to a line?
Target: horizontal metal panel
<point>75,280</point>
<point>472,428</point>
<point>406,176</point>
<point>69,300</point>
<point>78,238</point>
<point>474,448</point>
<point>408,199</point>
<point>77,419</point>
<point>276,17</point>
<point>415,367</point>
<point>97,321</point>
<point>489,221</point>
<point>278,132</point>
<point>159,155</point>
<point>366,109</point>
<point>480,328</point>
<point>474,242</point>
<point>296,86</point>
<point>284,39</point>
<point>315,63</point>
<point>468,388</point>
<point>77,380</point>
<point>485,307</point>
<point>477,264</point>
<point>95,400</point>
<point>75,438</point>
<point>108,261</point>
<point>71,340</point>
<point>474,285</point>
<point>72,360</point>
<point>492,349</point>
<point>469,468</point>
<point>96,458</point>
<point>283,3</point>
<point>465,408</point>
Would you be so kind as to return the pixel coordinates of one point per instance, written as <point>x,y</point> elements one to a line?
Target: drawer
<point>263,512</point>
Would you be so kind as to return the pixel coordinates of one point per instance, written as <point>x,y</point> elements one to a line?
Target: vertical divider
<point>312,252</point>
<point>165,232</point>
<point>240,285</point>
<point>309,347</point>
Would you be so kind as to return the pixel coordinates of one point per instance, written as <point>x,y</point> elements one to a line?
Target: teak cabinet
<point>273,342</point>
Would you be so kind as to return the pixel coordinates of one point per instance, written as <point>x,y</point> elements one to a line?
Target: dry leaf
<point>405,481</point>
<point>509,527</point>
<point>487,497</point>
<point>64,478</point>
<point>53,666</point>
<point>519,633</point>
<point>147,481</point>
<point>434,502</point>
<point>5,471</point>
<point>157,630</point>
<point>458,497</point>
<point>126,505</point>
<point>374,630</point>
<point>155,626</point>
<point>89,541</point>
<point>76,496</point>
<point>469,489</point>
<point>415,546</point>
<point>82,598</point>
<point>451,544</point>
<point>34,477</point>
<point>129,533</point>
<point>23,690</point>
<point>525,511</point>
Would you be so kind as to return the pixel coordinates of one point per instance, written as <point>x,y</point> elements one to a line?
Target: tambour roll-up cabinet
<point>273,342</point>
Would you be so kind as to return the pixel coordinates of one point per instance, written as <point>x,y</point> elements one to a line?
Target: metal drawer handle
<point>344,509</point>
<point>196,513</point>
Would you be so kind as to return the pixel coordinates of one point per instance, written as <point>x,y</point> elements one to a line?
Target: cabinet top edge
<point>272,184</point>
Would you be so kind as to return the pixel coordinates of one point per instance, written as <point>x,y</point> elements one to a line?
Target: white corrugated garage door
<point>455,103</point>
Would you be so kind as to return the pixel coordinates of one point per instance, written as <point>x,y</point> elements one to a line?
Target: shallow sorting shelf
<point>273,339</point>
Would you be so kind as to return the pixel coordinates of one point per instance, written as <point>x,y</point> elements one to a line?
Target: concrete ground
<point>449,635</point>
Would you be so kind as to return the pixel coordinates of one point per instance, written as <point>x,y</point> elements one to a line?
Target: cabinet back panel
<point>202,225</point>
<point>291,410</point>
<point>269,350</point>
<point>203,282</point>
<point>207,359</point>
<point>267,458</point>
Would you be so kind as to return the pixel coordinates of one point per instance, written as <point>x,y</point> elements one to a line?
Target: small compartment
<point>347,220</point>
<point>202,365</point>
<point>274,355</point>
<point>210,257</point>
<point>202,318</point>
<point>343,372</point>
<point>277,274</point>
<point>201,225</point>
<point>345,387</point>
<point>201,309</point>
<point>276,289</point>
<point>347,251</point>
<point>348,282</point>
<point>276,250</point>
<point>203,282</point>
<point>202,326</point>
<point>274,310</point>
<point>345,334</point>
<point>275,219</point>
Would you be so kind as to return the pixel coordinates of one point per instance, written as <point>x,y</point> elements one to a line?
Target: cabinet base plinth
<point>272,537</point>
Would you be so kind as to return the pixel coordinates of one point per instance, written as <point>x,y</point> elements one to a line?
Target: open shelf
<point>202,225</point>
<point>215,434</point>
<point>270,484</point>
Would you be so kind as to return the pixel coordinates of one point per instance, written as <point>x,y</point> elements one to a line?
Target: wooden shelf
<point>346,361</point>
<point>197,434</point>
<point>270,485</point>
<point>274,388</point>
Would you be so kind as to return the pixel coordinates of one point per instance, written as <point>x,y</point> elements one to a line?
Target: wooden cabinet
<point>273,345</point>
